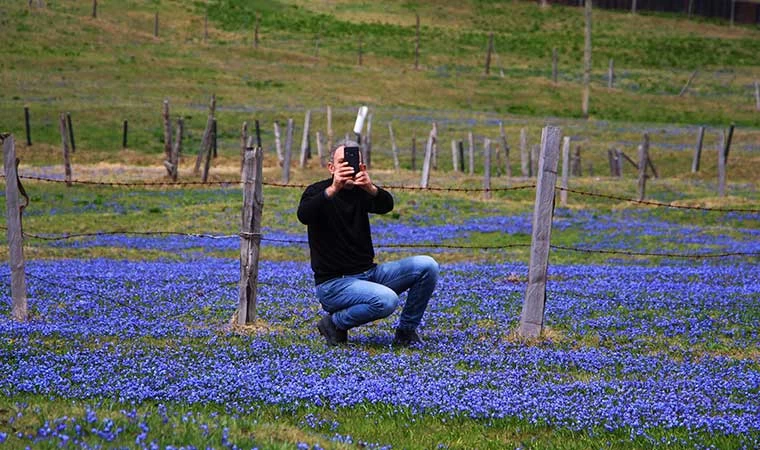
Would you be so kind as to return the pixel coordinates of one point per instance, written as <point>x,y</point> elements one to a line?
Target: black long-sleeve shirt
<point>340,240</point>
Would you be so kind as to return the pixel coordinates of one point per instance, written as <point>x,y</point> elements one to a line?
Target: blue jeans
<point>354,300</point>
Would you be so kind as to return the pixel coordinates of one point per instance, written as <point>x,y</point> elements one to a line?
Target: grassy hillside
<point>111,68</point>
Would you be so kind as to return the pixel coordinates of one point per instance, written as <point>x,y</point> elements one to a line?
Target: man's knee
<point>384,303</point>
<point>427,266</point>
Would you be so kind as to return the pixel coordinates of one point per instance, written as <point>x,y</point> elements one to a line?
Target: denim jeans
<point>354,300</point>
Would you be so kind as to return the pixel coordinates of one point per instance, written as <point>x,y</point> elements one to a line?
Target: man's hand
<point>343,174</point>
<point>363,181</point>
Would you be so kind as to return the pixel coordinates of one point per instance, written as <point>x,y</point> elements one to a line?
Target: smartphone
<point>351,156</point>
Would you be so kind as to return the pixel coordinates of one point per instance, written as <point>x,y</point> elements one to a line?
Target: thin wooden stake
<point>250,233</point>
<point>29,129</point>
<point>94,9</point>
<point>643,156</point>
<point>611,74</point>
<point>698,150</point>
<point>532,317</point>
<point>486,168</point>
<point>320,149</point>
<point>305,139</point>
<point>125,130</point>
<point>728,141</point>
<point>19,310</point>
<point>535,150</point>
<point>167,134</point>
<point>70,127</point>
<point>688,82</point>
<point>576,169</point>
<point>733,12</point>
<point>206,140</point>
<point>209,152</point>
<point>177,149</point>
<point>721,165</point>
<point>435,146</point>
<point>329,130</point>
<point>507,162</point>
<point>288,151</point>
<point>243,145</point>
<point>757,95</point>
<point>65,145</point>
<point>394,148</point>
<point>565,170</point>
<point>461,156</point>
<point>488,54</point>
<point>586,60</point>
<point>425,180</point>
<point>454,155</point>
<point>524,154</point>
<point>633,7</point>
<point>471,149</point>
<point>278,144</point>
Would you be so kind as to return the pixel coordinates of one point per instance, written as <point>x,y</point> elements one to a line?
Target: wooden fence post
<point>454,155</point>
<point>215,140</point>
<point>733,12</point>
<point>698,150</point>
<point>425,180</point>
<point>125,130</point>
<point>29,129</point>
<point>394,148</point>
<point>206,140</point>
<point>486,168</point>
<point>70,127</point>
<point>575,164</point>
<point>643,156</point>
<point>305,139</point>
<point>690,8</point>
<point>65,145</point>
<point>176,150</point>
<point>320,149</point>
<point>435,146</point>
<point>167,134</point>
<point>243,145</point>
<point>565,170</point>
<point>417,44</point>
<point>460,144</point>
<point>633,7</point>
<point>250,233</point>
<point>555,64</point>
<point>721,164</point>
<point>728,141</point>
<point>586,60</point>
<point>688,83</point>
<point>532,318</point>
<point>288,152</point>
<point>611,74</point>
<point>94,9</point>
<point>524,155</point>
<point>507,163</point>
<point>535,150</point>
<point>15,235</point>
<point>488,53</point>
<point>209,152</point>
<point>757,95</point>
<point>278,144</point>
<point>471,149</point>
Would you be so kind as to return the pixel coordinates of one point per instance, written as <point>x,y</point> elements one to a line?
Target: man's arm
<point>311,203</point>
<point>381,202</point>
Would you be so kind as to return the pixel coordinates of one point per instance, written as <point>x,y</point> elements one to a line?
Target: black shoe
<point>406,337</point>
<point>332,334</point>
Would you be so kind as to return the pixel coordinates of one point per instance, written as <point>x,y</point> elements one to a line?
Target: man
<point>350,286</point>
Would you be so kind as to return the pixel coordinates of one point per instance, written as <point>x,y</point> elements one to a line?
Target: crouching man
<point>350,286</point>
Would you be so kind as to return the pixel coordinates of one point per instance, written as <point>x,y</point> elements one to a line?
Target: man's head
<point>337,154</point>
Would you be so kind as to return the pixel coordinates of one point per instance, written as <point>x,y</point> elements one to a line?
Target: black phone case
<point>351,155</point>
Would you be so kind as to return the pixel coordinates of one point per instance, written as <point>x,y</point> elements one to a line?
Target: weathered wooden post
<point>611,160</point>
<point>425,180</point>
<point>611,74</point>
<point>555,65</point>
<point>643,156</point>
<point>288,152</point>
<point>435,146</point>
<point>698,150</point>
<point>532,318</point>
<point>565,170</point>
<point>209,152</point>
<point>70,127</point>
<point>757,96</point>
<point>535,150</point>
<point>454,155</point>
<point>460,144</point>
<point>320,149</point>
<point>721,164</point>
<point>94,9</point>
<point>167,135</point>
<point>575,164</point>
<point>471,149</point>
<point>486,168</point>
<point>688,83</point>
<point>507,162</point>
<point>29,129</point>
<point>256,32</point>
<point>633,7</point>
<point>15,235</point>
<point>394,148</point>
<point>417,44</point>
<point>124,131</point>
<point>728,140</point>
<point>215,139</point>
<point>690,8</point>
<point>619,162</point>
<point>305,139</point>
<point>733,11</point>
<point>278,144</point>
<point>206,140</point>
<point>586,60</point>
<point>488,53</point>
<point>173,163</point>
<point>243,145</point>
<point>524,155</point>
<point>250,233</point>
<point>65,145</point>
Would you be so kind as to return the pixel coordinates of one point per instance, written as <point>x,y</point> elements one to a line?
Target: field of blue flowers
<point>639,352</point>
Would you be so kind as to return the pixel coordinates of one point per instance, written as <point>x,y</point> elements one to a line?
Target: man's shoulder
<point>318,186</point>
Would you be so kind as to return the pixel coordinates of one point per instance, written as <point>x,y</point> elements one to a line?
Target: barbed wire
<point>653,203</point>
<point>396,187</point>
<point>405,245</point>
